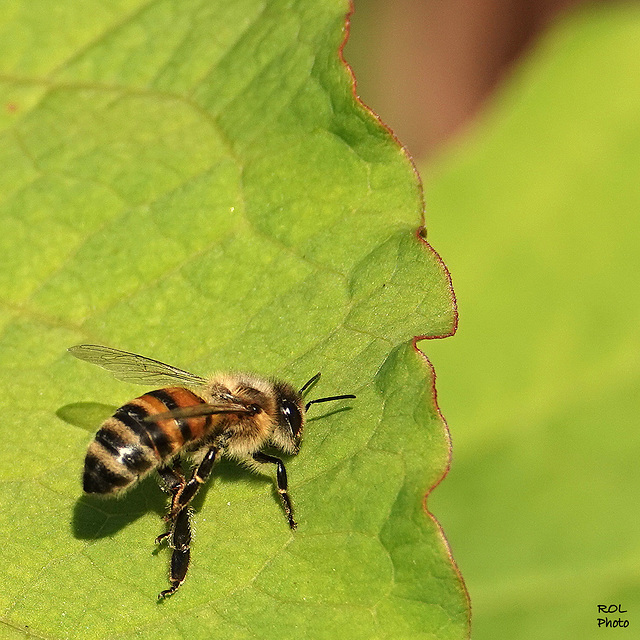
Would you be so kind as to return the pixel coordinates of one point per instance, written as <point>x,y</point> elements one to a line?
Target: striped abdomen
<point>127,447</point>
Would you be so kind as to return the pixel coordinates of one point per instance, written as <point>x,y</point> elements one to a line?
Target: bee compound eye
<point>292,416</point>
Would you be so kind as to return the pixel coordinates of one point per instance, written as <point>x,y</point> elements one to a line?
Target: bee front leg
<point>181,545</point>
<point>281,476</point>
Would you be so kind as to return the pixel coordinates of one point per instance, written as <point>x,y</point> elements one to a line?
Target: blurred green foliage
<point>536,215</point>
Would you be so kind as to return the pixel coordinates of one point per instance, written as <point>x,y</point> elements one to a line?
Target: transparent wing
<point>198,410</point>
<point>131,367</point>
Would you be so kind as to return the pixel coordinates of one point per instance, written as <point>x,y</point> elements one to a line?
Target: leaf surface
<point>195,182</point>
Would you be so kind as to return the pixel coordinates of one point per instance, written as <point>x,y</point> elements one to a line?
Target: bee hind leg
<point>199,477</point>
<point>179,517</point>
<point>173,481</point>
<point>181,544</point>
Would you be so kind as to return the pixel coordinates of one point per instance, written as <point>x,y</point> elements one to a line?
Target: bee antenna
<point>348,395</point>
<point>313,380</point>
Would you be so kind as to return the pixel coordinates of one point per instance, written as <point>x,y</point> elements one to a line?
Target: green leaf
<point>537,216</point>
<point>196,182</point>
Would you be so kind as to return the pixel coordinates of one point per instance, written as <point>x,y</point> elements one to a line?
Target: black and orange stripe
<point>128,445</point>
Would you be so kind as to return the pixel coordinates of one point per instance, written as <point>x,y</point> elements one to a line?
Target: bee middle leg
<point>281,477</point>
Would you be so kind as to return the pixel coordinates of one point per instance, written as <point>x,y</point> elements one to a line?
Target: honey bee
<point>235,415</point>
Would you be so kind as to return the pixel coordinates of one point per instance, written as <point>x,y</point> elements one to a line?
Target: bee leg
<point>174,482</point>
<point>281,476</point>
<point>180,517</point>
<point>180,543</point>
<point>199,477</point>
<point>173,477</point>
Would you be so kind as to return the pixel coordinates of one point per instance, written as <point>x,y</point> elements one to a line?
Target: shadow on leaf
<point>96,517</point>
<point>86,415</point>
<point>333,412</point>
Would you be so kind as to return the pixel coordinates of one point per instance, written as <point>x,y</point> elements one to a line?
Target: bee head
<point>288,432</point>
<point>291,414</point>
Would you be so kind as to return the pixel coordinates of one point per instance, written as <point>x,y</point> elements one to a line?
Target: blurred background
<point>523,119</point>
<point>428,67</point>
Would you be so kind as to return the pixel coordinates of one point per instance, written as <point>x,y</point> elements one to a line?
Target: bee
<point>235,415</point>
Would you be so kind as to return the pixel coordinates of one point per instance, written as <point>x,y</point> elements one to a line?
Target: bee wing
<point>198,410</point>
<point>131,367</point>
